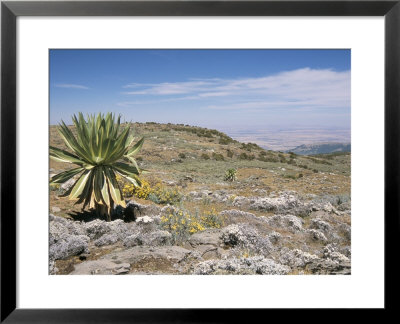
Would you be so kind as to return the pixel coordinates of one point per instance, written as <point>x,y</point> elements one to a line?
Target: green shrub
<point>218,157</point>
<point>205,156</point>
<point>182,156</point>
<point>230,175</point>
<point>245,156</point>
<point>229,153</point>
<point>181,223</point>
<point>97,148</point>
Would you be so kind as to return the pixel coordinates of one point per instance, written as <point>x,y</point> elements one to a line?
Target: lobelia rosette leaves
<point>101,149</point>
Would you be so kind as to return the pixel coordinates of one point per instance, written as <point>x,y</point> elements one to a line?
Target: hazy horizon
<point>276,96</point>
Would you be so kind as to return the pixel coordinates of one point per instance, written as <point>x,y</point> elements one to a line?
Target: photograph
<point>199,161</point>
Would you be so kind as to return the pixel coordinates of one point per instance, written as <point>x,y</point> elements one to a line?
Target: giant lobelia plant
<point>100,150</point>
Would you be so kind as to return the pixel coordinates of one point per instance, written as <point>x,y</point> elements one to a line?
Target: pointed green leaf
<point>66,175</point>
<point>136,148</point>
<point>63,156</point>
<point>80,185</point>
<point>104,189</point>
<point>114,187</point>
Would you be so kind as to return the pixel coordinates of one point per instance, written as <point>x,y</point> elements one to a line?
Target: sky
<point>222,89</point>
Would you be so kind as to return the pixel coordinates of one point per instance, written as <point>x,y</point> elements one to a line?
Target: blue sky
<point>221,89</point>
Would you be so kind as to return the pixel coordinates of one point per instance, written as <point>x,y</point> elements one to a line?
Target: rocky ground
<point>276,233</point>
<point>283,214</point>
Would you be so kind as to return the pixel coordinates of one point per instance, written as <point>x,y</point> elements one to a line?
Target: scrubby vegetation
<point>214,197</point>
<point>230,175</point>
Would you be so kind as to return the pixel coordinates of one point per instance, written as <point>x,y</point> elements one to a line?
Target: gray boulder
<point>133,240</point>
<point>321,225</point>
<point>284,202</point>
<point>158,238</point>
<point>252,265</point>
<point>154,238</point>
<point>206,237</point>
<point>243,236</point>
<point>97,228</point>
<point>107,239</point>
<point>274,237</point>
<point>52,267</point>
<point>288,222</point>
<point>67,245</point>
<point>331,251</point>
<point>145,210</point>
<point>66,238</point>
<point>317,235</point>
<point>297,258</point>
<point>68,184</point>
<point>101,267</point>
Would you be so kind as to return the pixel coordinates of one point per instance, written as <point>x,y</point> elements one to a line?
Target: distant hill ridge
<point>321,148</point>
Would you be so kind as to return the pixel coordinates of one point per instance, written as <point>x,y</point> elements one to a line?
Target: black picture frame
<point>10,10</point>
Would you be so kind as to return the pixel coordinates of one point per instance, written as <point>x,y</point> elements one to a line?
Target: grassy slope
<point>270,171</point>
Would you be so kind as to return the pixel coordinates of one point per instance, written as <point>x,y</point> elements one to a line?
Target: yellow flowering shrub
<point>158,193</point>
<point>54,186</point>
<point>140,192</point>
<point>211,219</point>
<point>181,223</point>
<point>163,195</point>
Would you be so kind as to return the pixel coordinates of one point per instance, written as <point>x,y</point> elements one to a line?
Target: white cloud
<point>71,86</point>
<point>305,88</point>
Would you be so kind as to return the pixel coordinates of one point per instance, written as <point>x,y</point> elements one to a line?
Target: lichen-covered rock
<point>274,237</point>
<point>66,245</point>
<point>66,238</point>
<point>319,224</point>
<point>344,206</point>
<point>284,202</point>
<point>97,228</point>
<point>297,258</point>
<point>52,267</point>
<point>144,210</point>
<point>107,239</point>
<point>329,208</point>
<point>346,250</point>
<point>206,237</point>
<point>252,265</point>
<point>68,184</point>
<point>345,230</point>
<point>243,236</point>
<point>158,238</point>
<point>240,201</point>
<point>133,240</point>
<point>238,234</point>
<point>61,225</point>
<point>317,235</point>
<point>328,266</point>
<point>331,252</point>
<point>101,267</point>
<point>288,222</point>
<point>144,220</point>
<point>154,238</point>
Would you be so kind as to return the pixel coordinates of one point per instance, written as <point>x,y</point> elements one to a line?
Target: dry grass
<point>161,156</point>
